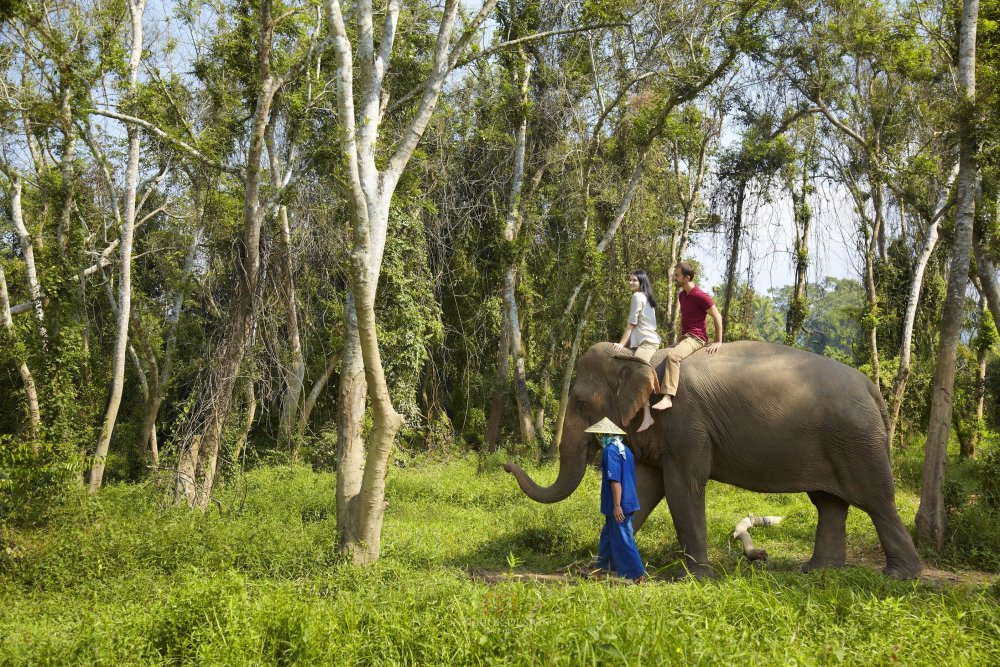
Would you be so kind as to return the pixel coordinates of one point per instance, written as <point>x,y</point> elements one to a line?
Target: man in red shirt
<point>695,305</point>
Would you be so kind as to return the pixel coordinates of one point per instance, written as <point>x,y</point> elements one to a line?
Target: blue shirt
<point>618,468</point>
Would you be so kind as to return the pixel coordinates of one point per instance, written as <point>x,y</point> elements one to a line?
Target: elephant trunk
<point>572,465</point>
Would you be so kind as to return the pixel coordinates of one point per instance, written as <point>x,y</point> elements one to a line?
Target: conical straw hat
<point>605,426</point>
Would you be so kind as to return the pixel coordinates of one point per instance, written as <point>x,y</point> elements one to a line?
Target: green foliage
<point>409,316</point>
<point>989,477</point>
<point>972,497</point>
<point>36,478</point>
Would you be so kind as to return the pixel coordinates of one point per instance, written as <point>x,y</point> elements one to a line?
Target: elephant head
<point>607,385</point>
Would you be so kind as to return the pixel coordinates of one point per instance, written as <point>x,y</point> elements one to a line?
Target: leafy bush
<point>35,478</point>
<point>989,476</point>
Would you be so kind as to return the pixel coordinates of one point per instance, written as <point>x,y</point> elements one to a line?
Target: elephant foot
<point>903,570</point>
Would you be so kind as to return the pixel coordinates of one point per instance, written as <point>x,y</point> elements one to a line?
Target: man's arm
<point>616,495</point>
<point>717,318</point>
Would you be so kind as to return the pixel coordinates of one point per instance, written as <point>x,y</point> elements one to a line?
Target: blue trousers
<point>617,548</point>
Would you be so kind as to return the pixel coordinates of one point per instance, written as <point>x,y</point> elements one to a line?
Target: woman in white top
<point>640,329</point>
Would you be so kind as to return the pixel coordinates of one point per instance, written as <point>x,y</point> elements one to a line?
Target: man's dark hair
<point>686,269</point>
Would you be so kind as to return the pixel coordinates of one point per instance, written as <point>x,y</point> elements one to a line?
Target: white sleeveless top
<point>642,316</point>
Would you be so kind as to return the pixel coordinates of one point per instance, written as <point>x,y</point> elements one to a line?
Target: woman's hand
<point>618,347</point>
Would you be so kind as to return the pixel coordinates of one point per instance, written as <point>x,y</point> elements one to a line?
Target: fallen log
<point>742,533</point>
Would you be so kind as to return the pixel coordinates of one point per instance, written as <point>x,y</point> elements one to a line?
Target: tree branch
<point>177,143</point>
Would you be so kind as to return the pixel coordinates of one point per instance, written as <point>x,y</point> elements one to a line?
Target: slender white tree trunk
<point>66,165</point>
<point>295,374</point>
<point>34,414</point>
<point>317,390</point>
<point>359,519</point>
<point>871,294</point>
<point>28,251</point>
<point>931,517</point>
<point>567,379</point>
<point>988,278</point>
<point>136,9</point>
<point>971,444</point>
<point>909,317</point>
<point>511,233</point>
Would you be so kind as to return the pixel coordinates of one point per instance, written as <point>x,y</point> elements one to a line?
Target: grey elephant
<point>762,417</point>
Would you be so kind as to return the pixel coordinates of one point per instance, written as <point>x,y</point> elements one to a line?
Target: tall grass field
<point>127,579</point>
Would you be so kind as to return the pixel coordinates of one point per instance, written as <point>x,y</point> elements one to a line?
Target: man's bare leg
<point>647,419</point>
<point>663,403</point>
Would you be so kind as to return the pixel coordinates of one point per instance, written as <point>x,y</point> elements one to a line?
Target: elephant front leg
<point>649,487</point>
<point>686,500</point>
<point>831,531</point>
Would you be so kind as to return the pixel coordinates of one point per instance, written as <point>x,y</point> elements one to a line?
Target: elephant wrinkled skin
<point>762,417</point>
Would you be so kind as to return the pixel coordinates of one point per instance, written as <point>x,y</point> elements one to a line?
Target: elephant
<point>763,417</point>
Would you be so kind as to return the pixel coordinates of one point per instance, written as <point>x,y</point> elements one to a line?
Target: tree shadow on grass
<point>537,548</point>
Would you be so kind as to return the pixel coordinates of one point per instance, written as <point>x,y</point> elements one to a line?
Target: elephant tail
<point>880,402</point>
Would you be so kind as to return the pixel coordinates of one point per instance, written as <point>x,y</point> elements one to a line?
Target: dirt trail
<point>575,574</point>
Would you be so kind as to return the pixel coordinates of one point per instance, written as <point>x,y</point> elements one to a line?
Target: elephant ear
<point>636,383</point>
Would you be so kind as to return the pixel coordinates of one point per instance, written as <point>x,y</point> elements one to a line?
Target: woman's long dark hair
<point>645,286</point>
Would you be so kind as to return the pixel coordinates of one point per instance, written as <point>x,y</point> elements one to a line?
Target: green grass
<point>125,579</point>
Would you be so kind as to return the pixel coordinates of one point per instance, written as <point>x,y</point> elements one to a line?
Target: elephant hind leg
<point>901,559</point>
<point>831,531</point>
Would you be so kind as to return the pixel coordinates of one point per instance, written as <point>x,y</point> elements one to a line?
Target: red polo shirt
<point>694,307</point>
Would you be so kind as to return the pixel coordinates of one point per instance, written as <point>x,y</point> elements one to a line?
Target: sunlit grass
<point>125,579</point>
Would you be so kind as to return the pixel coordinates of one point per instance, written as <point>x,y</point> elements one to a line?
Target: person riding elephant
<point>762,417</point>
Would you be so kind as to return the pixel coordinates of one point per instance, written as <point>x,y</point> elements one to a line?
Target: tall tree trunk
<point>240,333</point>
<point>250,413</point>
<point>972,444</point>
<point>878,202</point>
<point>909,317</point>
<point>295,374</point>
<point>147,433</point>
<point>988,278</point>
<point>511,232</point>
<point>370,195</point>
<point>802,217</point>
<point>85,332</point>
<point>734,253</point>
<point>492,435</point>
<point>364,527</point>
<point>27,379</point>
<point>68,156</point>
<point>317,389</point>
<point>351,407</point>
<point>931,516</point>
<point>682,245</point>
<point>136,9</point>
<point>27,251</point>
<point>671,296</point>
<point>568,378</point>
<point>871,296</point>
